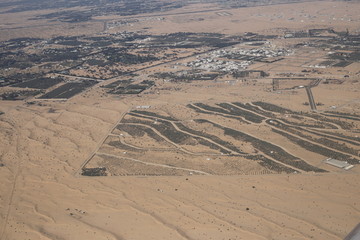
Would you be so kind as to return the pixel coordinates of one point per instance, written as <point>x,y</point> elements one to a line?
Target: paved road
<point>311,98</point>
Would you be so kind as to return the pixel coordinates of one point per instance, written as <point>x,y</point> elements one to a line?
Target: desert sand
<point>43,198</point>
<point>44,145</point>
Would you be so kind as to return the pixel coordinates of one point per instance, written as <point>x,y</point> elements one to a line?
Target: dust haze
<point>179,119</point>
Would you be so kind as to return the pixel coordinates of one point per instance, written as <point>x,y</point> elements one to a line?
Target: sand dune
<point>44,145</point>
<point>43,199</point>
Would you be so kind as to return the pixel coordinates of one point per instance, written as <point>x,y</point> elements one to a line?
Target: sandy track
<point>201,208</point>
<point>295,135</point>
<point>314,143</point>
<point>174,144</point>
<point>188,133</point>
<point>100,143</point>
<point>42,199</point>
<point>221,114</point>
<point>152,164</point>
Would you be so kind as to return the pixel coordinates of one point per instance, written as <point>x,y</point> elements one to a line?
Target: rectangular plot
<point>68,90</point>
<point>39,83</point>
<point>342,64</point>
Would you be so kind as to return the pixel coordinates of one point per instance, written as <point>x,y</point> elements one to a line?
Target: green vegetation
<point>318,149</point>
<point>239,112</point>
<point>324,141</point>
<point>155,115</point>
<point>255,109</point>
<point>94,172</point>
<point>199,110</point>
<point>273,108</point>
<point>267,148</point>
<point>214,138</point>
<point>270,164</point>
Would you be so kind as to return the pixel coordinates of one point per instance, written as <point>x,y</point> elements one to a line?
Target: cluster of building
<point>122,22</point>
<point>245,57</point>
<point>266,52</point>
<point>213,64</point>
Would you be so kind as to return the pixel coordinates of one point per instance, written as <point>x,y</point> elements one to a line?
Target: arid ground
<point>154,141</point>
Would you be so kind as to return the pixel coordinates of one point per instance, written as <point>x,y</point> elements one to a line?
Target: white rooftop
<point>339,164</point>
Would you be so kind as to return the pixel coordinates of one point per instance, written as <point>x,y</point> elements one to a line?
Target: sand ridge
<point>45,144</point>
<point>62,205</point>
